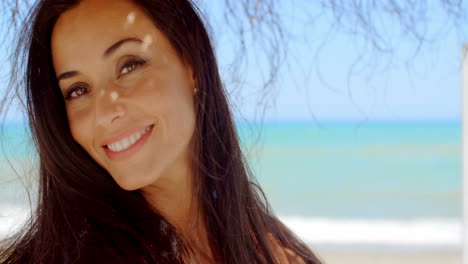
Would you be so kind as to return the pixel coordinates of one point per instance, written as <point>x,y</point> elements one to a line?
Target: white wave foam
<point>418,232</point>
<point>316,231</point>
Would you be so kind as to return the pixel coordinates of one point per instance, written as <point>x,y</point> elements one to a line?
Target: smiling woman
<point>139,158</point>
<point>129,102</point>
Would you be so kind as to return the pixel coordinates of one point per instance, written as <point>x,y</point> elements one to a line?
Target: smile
<point>126,147</point>
<point>128,141</point>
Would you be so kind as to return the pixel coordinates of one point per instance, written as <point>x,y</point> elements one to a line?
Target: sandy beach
<point>391,258</point>
<point>388,255</point>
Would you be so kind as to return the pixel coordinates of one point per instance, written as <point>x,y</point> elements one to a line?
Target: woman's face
<point>129,97</point>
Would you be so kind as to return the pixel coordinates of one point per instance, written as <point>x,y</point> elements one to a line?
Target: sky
<point>318,84</point>
<point>399,86</point>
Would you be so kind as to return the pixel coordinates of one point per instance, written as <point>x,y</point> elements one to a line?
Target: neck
<point>173,195</point>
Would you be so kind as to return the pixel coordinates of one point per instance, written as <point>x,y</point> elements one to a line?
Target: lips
<point>128,141</point>
<point>124,145</point>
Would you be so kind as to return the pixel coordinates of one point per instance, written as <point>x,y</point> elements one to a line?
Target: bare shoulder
<point>284,255</point>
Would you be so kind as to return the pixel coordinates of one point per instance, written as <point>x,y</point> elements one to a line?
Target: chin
<point>132,183</point>
<point>128,184</point>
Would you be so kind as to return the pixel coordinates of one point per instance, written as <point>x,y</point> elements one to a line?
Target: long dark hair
<point>84,216</point>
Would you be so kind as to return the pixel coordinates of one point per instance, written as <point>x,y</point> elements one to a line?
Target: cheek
<point>173,105</point>
<point>180,115</point>
<point>80,126</point>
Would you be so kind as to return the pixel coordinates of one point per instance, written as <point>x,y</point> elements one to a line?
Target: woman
<point>139,158</point>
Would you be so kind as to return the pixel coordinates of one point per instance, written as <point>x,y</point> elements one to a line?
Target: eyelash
<point>73,89</point>
<point>135,63</point>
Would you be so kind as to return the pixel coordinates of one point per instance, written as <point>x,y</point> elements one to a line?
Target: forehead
<point>89,28</point>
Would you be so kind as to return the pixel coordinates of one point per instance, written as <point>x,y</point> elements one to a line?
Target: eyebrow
<point>116,45</point>
<point>106,54</point>
<point>66,75</point>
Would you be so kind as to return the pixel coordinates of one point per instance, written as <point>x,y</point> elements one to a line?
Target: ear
<point>192,79</point>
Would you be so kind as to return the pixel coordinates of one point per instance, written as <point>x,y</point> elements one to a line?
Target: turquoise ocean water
<point>353,170</point>
<point>381,178</point>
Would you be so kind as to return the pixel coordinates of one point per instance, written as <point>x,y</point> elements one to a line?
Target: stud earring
<point>195,90</point>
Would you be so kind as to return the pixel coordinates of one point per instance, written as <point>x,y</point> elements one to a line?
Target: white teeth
<point>133,139</point>
<point>128,141</point>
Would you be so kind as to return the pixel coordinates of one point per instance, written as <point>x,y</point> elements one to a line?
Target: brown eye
<point>75,92</point>
<point>128,68</point>
<point>131,65</point>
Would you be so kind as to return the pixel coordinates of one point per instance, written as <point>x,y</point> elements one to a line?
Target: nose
<point>108,107</point>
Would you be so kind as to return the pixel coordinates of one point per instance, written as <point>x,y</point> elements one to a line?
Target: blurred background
<point>348,112</point>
